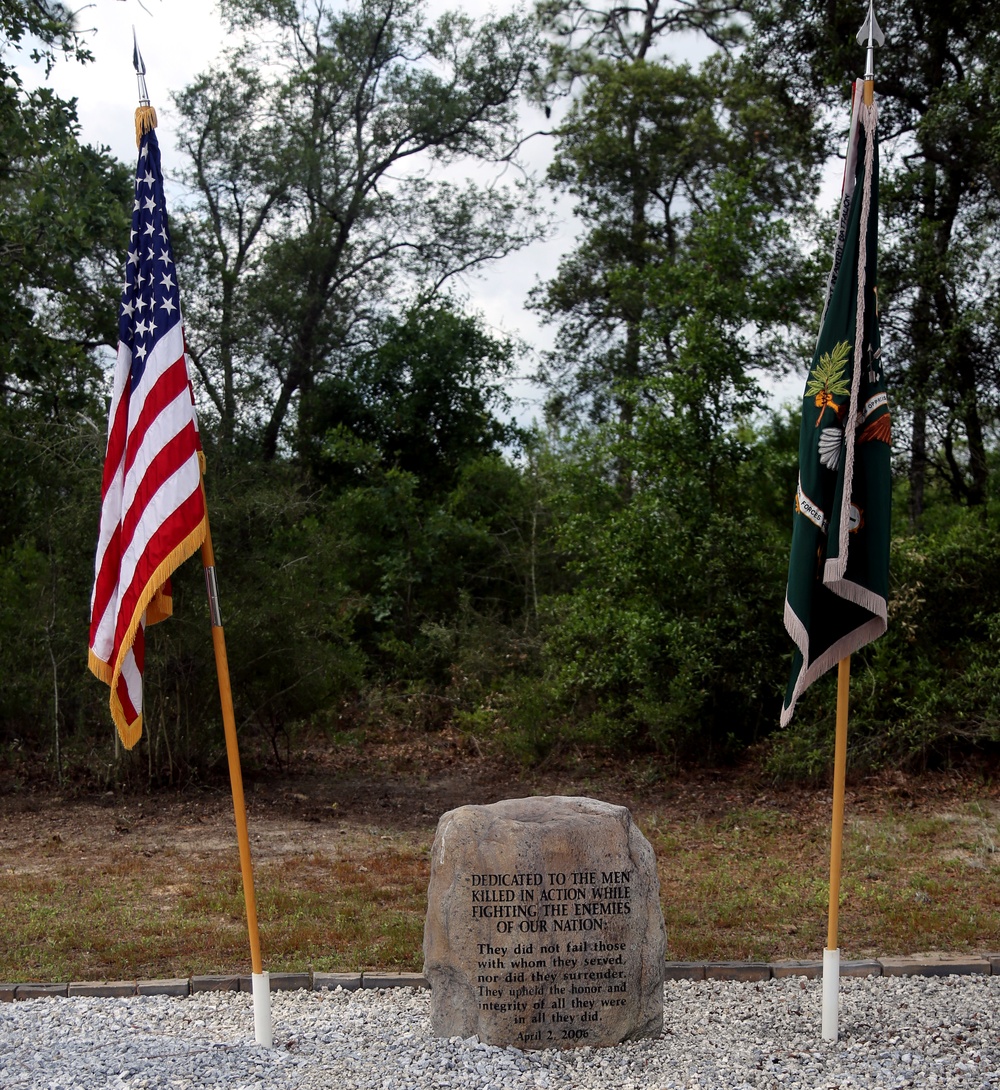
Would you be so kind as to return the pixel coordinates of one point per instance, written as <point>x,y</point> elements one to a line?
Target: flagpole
<point>145,120</point>
<point>831,955</point>
<point>869,34</point>
<point>261,983</point>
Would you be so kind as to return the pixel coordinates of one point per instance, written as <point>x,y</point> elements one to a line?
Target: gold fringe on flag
<point>145,121</point>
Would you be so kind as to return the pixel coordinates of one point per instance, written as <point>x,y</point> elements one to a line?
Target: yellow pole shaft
<point>839,782</point>
<point>233,754</point>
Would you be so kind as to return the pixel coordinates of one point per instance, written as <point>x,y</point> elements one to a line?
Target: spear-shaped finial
<point>870,34</point>
<point>145,115</point>
<point>140,70</point>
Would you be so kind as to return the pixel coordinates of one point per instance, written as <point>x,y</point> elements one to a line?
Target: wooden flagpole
<point>869,34</point>
<point>261,984</point>
<point>831,955</point>
<point>145,120</point>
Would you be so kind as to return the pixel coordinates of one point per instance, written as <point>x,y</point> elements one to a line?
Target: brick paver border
<point>914,965</point>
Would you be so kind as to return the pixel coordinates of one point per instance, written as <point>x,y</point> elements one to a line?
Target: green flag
<point>838,573</point>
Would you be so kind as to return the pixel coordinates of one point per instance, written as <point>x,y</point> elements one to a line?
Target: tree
<point>687,284</point>
<point>937,82</point>
<point>63,220</point>
<point>62,214</point>
<point>669,633</point>
<point>240,173</point>
<point>349,208</point>
<point>422,401</point>
<point>46,24</point>
<point>646,148</point>
<point>583,33</point>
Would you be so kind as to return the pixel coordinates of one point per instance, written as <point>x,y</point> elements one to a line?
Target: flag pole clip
<point>212,587</point>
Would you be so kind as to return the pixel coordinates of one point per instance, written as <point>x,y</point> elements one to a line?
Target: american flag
<point>152,504</point>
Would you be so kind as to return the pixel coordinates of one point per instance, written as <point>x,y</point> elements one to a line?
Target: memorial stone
<point>544,927</point>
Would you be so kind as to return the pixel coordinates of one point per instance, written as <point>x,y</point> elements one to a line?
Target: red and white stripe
<point>152,517</point>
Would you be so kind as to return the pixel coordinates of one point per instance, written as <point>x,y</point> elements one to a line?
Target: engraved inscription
<point>547,960</point>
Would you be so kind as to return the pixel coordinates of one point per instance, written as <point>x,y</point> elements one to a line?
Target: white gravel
<point>895,1032</point>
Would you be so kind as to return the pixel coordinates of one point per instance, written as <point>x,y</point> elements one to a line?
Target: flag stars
<point>149,272</point>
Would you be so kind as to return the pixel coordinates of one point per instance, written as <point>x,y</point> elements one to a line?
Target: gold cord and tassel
<point>145,121</point>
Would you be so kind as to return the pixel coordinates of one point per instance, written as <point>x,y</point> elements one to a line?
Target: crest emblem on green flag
<point>838,573</point>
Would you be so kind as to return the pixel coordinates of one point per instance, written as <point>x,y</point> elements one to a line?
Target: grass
<point>746,883</point>
<point>754,885</point>
<point>137,917</point>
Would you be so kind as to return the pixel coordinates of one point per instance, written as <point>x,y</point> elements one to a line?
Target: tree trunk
<point>917,472</point>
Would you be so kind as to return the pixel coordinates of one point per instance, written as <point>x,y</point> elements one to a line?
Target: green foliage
<point>422,401</point>
<point>46,24</point>
<point>422,565</point>
<point>62,210</point>
<point>583,34</point>
<point>23,581</point>
<point>688,282</point>
<point>378,599</point>
<point>47,701</point>
<point>934,676</point>
<point>684,184</point>
<point>288,620</point>
<point>926,693</point>
<point>673,622</point>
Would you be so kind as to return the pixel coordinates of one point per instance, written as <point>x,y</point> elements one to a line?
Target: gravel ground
<point>895,1032</point>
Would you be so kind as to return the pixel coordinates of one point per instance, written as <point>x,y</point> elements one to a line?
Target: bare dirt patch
<point>401,786</point>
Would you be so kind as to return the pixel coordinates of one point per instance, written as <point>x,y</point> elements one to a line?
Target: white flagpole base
<point>262,1009</point>
<point>831,993</point>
